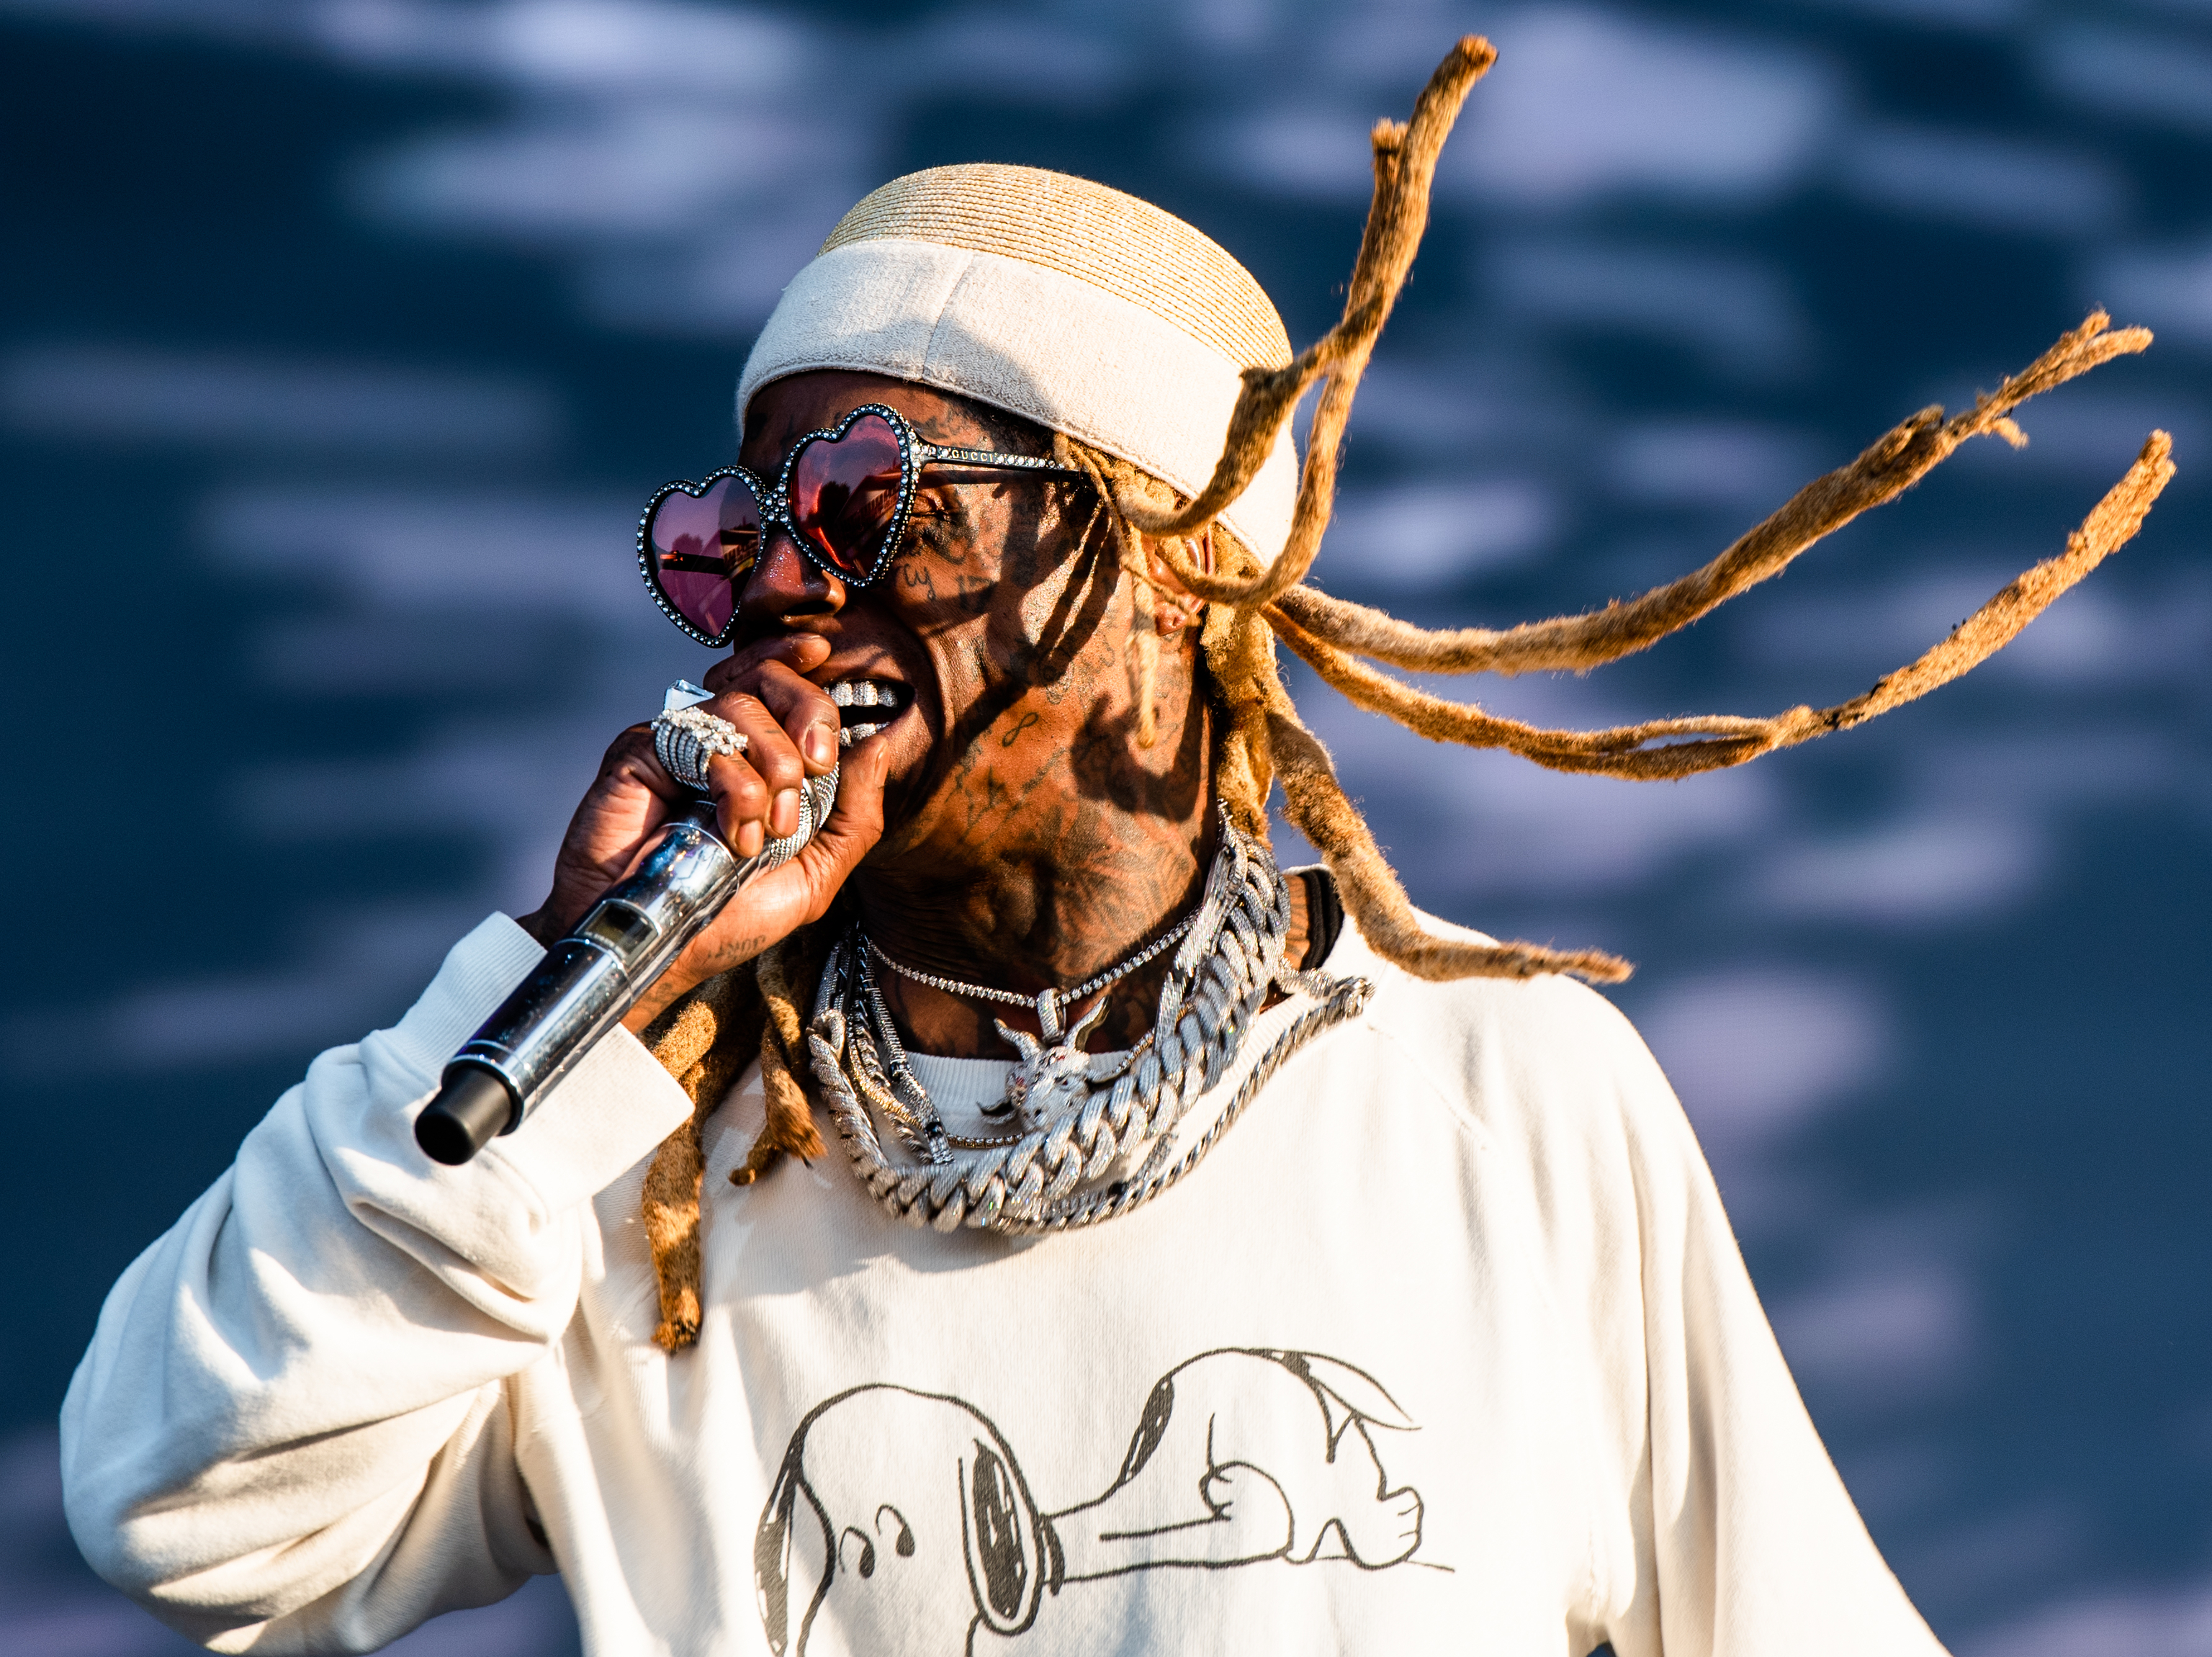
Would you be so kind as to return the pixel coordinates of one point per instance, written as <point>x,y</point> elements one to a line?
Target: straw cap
<point>1075,306</point>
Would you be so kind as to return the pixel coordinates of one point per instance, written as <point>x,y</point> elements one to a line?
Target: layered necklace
<point>1089,1135</point>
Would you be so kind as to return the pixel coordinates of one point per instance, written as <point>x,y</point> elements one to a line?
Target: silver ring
<point>684,739</point>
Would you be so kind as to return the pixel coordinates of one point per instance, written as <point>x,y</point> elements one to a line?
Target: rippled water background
<point>342,339</point>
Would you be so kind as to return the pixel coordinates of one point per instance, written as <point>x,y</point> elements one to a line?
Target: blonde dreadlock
<point>1331,636</point>
<point>706,1039</point>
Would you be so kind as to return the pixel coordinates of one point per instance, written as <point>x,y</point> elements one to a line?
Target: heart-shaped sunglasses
<point>843,497</point>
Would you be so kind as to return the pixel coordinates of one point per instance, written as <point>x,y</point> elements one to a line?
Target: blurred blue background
<point>342,340</point>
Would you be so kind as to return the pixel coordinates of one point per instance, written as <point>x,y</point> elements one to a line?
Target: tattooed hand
<point>791,732</point>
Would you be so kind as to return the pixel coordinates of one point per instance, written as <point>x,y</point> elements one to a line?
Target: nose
<point>785,589</point>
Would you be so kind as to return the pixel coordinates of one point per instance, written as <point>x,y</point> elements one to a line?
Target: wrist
<point>667,990</point>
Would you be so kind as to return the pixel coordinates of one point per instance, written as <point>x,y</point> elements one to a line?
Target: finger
<point>769,756</point>
<point>800,652</point>
<point>632,797</point>
<point>769,908</point>
<point>812,879</point>
<point>804,711</point>
<point>619,816</point>
<point>774,671</point>
<point>801,889</point>
<point>856,823</point>
<point>742,799</point>
<point>630,760</point>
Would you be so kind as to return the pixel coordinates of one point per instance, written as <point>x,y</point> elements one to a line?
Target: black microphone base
<point>472,1108</point>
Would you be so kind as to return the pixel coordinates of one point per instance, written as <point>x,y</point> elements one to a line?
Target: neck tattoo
<point>1092,1133</point>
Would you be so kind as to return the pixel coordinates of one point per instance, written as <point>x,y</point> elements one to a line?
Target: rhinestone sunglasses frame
<point>915,452</point>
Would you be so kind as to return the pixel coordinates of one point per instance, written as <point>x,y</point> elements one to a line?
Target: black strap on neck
<point>1324,917</point>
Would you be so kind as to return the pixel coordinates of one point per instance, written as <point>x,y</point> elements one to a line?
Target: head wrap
<point>1083,309</point>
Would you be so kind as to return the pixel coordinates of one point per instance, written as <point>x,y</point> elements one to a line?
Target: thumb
<point>856,823</point>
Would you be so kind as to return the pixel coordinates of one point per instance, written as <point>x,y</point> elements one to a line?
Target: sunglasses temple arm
<point>934,453</point>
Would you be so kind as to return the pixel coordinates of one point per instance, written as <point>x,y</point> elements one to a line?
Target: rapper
<point>1032,1217</point>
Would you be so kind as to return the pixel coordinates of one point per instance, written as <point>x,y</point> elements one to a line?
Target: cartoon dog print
<point>907,1514</point>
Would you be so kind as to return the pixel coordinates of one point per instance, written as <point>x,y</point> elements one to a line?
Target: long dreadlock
<point>706,1039</point>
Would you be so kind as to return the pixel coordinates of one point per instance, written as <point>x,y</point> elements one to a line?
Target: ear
<point>1173,609</point>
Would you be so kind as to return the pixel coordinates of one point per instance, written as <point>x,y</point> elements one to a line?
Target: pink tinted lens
<point>845,492</point>
<point>702,546</point>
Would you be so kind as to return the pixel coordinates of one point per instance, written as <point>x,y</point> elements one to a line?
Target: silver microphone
<point>589,979</point>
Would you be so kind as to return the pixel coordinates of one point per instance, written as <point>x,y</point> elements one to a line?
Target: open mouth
<point>865,706</point>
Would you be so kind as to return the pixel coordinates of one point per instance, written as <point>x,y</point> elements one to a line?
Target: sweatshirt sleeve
<point>1748,1542</point>
<point>292,1429</point>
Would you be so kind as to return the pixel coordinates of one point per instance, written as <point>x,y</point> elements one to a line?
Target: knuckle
<point>780,764</point>
<point>637,740</point>
<point>798,698</point>
<point>769,678</point>
<point>746,793</point>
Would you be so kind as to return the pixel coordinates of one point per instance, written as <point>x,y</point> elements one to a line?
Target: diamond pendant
<point>1055,1075</point>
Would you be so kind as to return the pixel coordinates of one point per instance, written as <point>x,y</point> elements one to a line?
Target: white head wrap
<point>1083,309</point>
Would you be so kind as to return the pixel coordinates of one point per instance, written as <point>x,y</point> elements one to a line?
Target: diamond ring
<point>684,739</point>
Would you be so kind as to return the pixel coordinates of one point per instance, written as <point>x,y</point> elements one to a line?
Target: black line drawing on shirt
<point>910,1514</point>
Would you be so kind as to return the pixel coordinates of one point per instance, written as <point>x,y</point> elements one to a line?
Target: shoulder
<point>1544,1061</point>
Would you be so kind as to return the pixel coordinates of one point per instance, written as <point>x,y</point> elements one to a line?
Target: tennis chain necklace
<point>1093,1133</point>
<point>1049,1002</point>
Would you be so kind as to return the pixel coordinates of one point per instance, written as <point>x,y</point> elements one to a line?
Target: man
<point>1209,1273</point>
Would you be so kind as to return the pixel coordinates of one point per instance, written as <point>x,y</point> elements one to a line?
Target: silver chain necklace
<point>1095,1131</point>
<point>1049,1002</point>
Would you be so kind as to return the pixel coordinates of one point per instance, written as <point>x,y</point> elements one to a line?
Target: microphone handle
<point>589,979</point>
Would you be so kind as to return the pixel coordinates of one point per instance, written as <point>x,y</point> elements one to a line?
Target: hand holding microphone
<point>658,888</point>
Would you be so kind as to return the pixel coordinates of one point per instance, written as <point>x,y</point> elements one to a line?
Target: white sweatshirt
<point>1447,1347</point>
